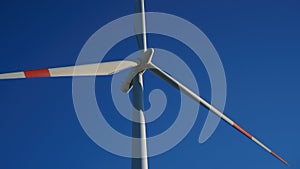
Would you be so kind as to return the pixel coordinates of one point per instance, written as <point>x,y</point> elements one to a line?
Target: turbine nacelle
<point>144,62</point>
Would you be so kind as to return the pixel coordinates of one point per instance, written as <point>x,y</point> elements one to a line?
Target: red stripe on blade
<point>242,131</point>
<point>279,158</point>
<point>37,73</point>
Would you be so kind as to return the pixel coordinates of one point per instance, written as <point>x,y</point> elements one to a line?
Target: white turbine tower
<point>134,81</point>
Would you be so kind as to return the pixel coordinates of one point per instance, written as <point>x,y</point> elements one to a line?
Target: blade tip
<point>279,158</point>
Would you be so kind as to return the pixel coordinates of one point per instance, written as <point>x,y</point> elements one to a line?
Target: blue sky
<point>258,43</point>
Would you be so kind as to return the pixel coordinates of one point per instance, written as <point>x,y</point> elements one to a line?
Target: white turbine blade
<point>97,69</point>
<point>140,25</point>
<point>154,69</point>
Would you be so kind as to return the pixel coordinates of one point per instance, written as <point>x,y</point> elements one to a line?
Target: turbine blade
<point>140,25</point>
<point>166,77</point>
<point>97,69</point>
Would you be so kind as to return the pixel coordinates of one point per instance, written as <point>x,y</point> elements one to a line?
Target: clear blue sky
<point>258,43</point>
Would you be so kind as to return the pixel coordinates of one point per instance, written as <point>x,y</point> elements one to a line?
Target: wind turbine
<point>134,81</point>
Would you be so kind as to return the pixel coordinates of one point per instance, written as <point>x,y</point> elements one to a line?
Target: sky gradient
<point>258,43</point>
